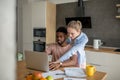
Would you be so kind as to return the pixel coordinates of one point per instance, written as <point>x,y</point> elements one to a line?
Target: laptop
<point>37,60</point>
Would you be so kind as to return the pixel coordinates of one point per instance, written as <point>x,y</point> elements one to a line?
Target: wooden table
<point>22,71</point>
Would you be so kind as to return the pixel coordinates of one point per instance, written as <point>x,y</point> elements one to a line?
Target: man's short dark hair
<point>62,29</point>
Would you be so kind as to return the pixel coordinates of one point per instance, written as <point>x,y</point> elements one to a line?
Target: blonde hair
<point>77,25</point>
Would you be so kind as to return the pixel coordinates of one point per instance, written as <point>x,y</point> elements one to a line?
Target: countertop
<point>22,71</point>
<point>102,49</point>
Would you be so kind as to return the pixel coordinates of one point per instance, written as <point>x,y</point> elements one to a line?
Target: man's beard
<point>60,43</point>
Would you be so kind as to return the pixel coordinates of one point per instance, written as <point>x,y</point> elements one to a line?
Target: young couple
<point>69,49</point>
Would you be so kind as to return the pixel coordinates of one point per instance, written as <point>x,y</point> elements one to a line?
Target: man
<point>58,49</point>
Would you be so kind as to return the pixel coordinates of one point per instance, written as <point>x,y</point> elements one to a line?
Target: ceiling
<point>57,1</point>
<point>62,1</point>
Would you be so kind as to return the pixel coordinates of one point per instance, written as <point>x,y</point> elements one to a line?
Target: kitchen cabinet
<point>27,26</point>
<point>50,23</point>
<point>118,10</point>
<point>38,14</point>
<point>106,62</point>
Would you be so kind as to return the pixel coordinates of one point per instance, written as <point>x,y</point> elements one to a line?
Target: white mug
<point>97,43</point>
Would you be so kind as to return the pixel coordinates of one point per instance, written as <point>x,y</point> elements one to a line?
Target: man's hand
<point>54,65</point>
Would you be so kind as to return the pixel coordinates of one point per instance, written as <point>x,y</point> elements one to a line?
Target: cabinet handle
<point>95,64</point>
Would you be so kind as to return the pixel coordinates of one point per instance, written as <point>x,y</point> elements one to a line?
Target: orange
<point>29,77</point>
<point>37,75</point>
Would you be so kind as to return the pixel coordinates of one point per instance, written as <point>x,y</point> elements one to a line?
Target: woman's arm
<point>78,46</point>
<point>70,62</point>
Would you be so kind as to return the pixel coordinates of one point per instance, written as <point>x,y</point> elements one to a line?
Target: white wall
<point>7,39</point>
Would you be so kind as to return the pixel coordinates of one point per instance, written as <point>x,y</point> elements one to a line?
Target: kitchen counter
<point>102,49</point>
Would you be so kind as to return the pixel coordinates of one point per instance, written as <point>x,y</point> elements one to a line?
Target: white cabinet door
<point>96,58</point>
<point>105,62</point>
<point>38,14</point>
<point>112,66</point>
<point>27,27</point>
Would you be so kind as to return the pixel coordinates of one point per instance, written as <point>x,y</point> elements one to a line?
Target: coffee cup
<point>97,43</point>
<point>90,70</point>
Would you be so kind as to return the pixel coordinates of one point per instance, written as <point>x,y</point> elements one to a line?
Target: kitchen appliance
<point>39,32</point>
<point>39,46</point>
<point>97,43</point>
<point>39,35</point>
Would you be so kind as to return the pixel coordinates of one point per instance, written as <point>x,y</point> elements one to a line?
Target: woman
<point>78,41</point>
